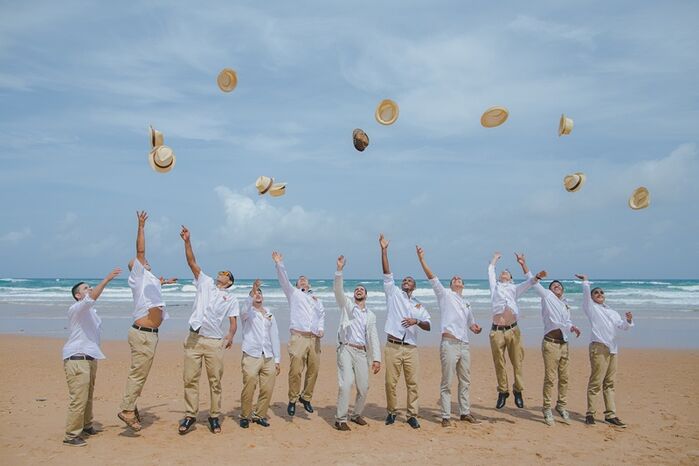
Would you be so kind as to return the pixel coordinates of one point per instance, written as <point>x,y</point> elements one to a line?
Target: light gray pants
<point>455,357</point>
<point>352,367</point>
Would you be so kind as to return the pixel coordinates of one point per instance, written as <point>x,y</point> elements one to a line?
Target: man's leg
<point>516,353</point>
<point>297,350</point>
<point>598,368</point>
<point>213,361</point>
<point>393,370</point>
<point>251,368</point>
<point>448,357</point>
<point>78,378</point>
<point>191,373</point>
<point>411,365</point>
<point>268,375</point>
<point>143,345</point>
<point>463,373</point>
<point>551,354</point>
<point>360,366</point>
<point>312,366</point>
<point>608,388</point>
<point>87,423</point>
<point>563,369</point>
<point>345,378</point>
<point>497,348</point>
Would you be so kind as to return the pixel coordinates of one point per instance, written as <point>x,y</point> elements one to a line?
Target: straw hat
<point>565,126</point>
<point>156,138</point>
<point>263,184</point>
<point>640,199</point>
<point>494,116</point>
<point>386,112</point>
<point>227,80</point>
<point>162,159</point>
<point>574,182</point>
<point>360,139</point>
<point>277,189</point>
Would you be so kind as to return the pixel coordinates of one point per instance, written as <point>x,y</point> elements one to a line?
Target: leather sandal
<point>186,424</point>
<point>214,425</point>
<point>135,412</point>
<point>131,422</point>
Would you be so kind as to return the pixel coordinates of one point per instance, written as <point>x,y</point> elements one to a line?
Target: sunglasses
<point>598,292</point>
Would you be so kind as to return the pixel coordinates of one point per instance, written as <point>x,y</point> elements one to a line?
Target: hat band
<point>155,161</point>
<point>577,184</point>
<point>264,191</point>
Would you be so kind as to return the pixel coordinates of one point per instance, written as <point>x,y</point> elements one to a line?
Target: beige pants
<point>509,340</point>
<point>80,376</point>
<point>455,358</point>
<point>209,351</point>
<point>303,352</point>
<point>352,367</point>
<point>555,365</point>
<point>143,345</point>
<point>401,357</point>
<point>256,371</point>
<point>602,375</point>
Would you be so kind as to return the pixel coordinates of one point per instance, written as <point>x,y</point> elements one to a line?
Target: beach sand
<point>656,396</point>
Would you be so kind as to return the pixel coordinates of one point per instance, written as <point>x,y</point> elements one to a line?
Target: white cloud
<point>16,236</point>
<point>552,31</point>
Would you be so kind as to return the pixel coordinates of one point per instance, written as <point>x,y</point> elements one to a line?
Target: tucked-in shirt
<point>454,309</point>
<point>146,291</point>
<point>504,295</point>
<point>555,312</point>
<point>260,332</point>
<point>306,312</point>
<point>85,330</point>
<point>399,306</point>
<point>604,321</point>
<point>211,307</point>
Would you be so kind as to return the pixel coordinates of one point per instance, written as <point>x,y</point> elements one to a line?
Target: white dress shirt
<point>555,312</point>
<point>399,306</point>
<point>455,310</point>
<point>260,332</point>
<point>604,321</point>
<point>211,307</point>
<point>146,290</point>
<point>306,312</point>
<point>85,329</point>
<point>504,295</point>
<point>362,321</point>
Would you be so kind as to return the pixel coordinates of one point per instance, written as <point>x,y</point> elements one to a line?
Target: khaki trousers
<point>209,351</point>
<point>303,352</point>
<point>256,371</point>
<point>602,375</point>
<point>352,367</point>
<point>555,365</point>
<point>80,376</point>
<point>143,345</point>
<point>510,340</point>
<point>455,358</point>
<point>406,358</point>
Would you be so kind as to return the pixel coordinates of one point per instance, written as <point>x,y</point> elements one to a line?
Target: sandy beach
<point>656,396</point>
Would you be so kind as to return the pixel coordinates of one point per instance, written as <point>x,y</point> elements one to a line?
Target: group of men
<point>214,322</point>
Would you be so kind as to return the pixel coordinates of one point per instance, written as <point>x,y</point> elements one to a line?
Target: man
<point>306,325</point>
<point>80,355</point>
<point>555,312</point>
<point>261,357</point>
<point>206,340</point>
<point>149,313</point>
<point>605,323</point>
<point>457,320</point>
<point>404,315</point>
<point>504,333</point>
<point>358,347</point>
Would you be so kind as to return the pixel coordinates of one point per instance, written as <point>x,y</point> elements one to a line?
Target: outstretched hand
<point>496,257</point>
<point>420,252</point>
<point>184,234</point>
<point>340,263</point>
<point>520,259</point>
<point>581,277</point>
<point>142,217</point>
<point>541,275</point>
<point>383,241</point>
<point>277,257</point>
<point>114,273</point>
<point>167,281</point>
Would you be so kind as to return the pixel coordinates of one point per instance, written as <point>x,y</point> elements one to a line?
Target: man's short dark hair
<point>556,281</point>
<point>75,289</point>
<point>592,291</point>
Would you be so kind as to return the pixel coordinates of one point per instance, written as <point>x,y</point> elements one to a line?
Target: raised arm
<point>338,285</point>
<point>97,291</point>
<point>540,290</point>
<point>189,254</point>
<point>522,262</point>
<point>587,297</point>
<point>384,254</point>
<point>282,275</point>
<point>421,258</point>
<point>492,281</point>
<point>141,237</point>
<point>522,287</point>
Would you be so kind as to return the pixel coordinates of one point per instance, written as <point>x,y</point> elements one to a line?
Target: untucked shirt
<point>260,332</point>
<point>211,307</point>
<point>399,306</point>
<point>306,312</point>
<point>504,295</point>
<point>555,312</point>
<point>604,320</point>
<point>146,290</point>
<point>455,310</point>
<point>85,330</point>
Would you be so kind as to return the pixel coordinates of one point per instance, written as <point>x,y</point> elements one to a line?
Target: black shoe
<point>186,425</point>
<point>91,431</point>
<point>261,421</point>
<point>615,421</point>
<point>291,409</point>
<point>75,442</point>
<point>390,419</point>
<point>590,420</point>
<point>413,422</point>
<point>307,405</point>
<point>214,425</point>
<point>244,423</point>
<point>502,397</point>
<point>519,401</point>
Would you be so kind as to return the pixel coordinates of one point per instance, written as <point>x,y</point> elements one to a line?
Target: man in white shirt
<point>358,347</point>
<point>261,357</point>
<point>404,315</point>
<point>504,333</point>
<point>149,313</point>
<point>555,312</point>
<point>80,355</point>
<point>306,325</point>
<point>457,320</point>
<point>206,341</point>
<point>605,323</point>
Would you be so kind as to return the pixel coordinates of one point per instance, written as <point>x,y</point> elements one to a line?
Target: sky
<point>81,81</point>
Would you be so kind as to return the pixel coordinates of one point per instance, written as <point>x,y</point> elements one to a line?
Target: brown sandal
<point>132,422</point>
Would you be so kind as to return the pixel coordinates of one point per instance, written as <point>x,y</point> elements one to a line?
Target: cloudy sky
<point>81,81</point>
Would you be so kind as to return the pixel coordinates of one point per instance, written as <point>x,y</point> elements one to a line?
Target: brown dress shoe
<point>342,426</point>
<point>359,420</point>
<point>469,418</point>
<point>446,423</point>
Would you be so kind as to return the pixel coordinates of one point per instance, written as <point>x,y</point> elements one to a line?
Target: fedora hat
<point>263,184</point>
<point>360,139</point>
<point>156,138</point>
<point>227,79</point>
<point>565,126</point>
<point>386,112</point>
<point>574,182</point>
<point>640,198</point>
<point>494,116</point>
<point>162,159</point>
<point>277,189</point>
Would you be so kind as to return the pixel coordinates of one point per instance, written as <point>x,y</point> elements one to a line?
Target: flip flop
<point>214,425</point>
<point>186,424</point>
<point>132,423</point>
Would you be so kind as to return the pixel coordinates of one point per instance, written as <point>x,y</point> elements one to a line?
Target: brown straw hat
<point>494,116</point>
<point>227,79</point>
<point>640,199</point>
<point>574,182</point>
<point>277,189</point>
<point>360,139</point>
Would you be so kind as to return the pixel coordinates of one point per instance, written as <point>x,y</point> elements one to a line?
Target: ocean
<point>666,312</point>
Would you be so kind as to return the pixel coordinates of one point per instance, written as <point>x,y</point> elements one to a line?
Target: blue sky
<point>81,81</point>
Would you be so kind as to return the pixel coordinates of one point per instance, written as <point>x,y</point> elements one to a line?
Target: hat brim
<point>277,190</point>
<point>577,186</point>
<point>227,85</point>
<point>159,168</point>
<point>563,127</point>
<point>640,199</point>
<point>380,109</point>
<point>156,138</point>
<point>494,116</point>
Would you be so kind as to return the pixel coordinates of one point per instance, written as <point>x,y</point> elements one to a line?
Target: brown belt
<point>359,347</point>
<point>554,340</point>
<point>303,334</point>
<point>398,342</point>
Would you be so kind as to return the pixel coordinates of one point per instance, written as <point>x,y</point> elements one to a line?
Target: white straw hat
<point>386,112</point>
<point>162,159</point>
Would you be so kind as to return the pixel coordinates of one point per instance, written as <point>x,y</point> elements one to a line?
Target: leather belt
<point>303,334</point>
<point>359,347</point>
<point>398,342</point>
<point>554,340</point>
<point>145,329</point>
<point>84,357</point>
<point>503,327</point>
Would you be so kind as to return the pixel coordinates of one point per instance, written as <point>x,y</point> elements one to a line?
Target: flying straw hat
<point>640,199</point>
<point>277,189</point>
<point>162,159</point>
<point>494,116</point>
<point>227,80</point>
<point>574,182</point>
<point>263,184</point>
<point>386,112</point>
<point>156,138</point>
<point>565,126</point>
<point>360,139</point>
